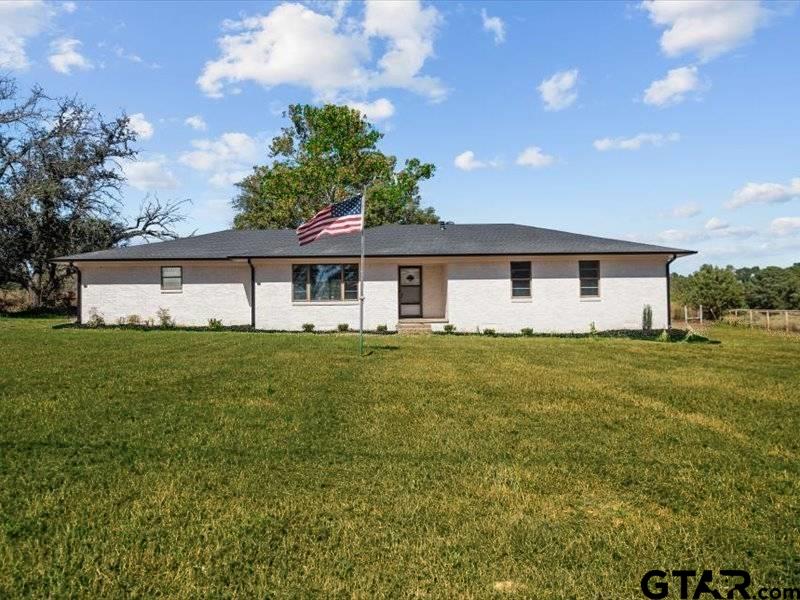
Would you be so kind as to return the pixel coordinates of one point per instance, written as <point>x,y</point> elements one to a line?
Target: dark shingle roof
<point>386,240</point>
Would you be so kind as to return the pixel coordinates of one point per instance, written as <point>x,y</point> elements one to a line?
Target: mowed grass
<point>191,464</point>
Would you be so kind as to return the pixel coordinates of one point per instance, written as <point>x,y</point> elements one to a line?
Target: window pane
<point>326,282</point>
<point>299,275</point>
<point>520,270</point>
<point>170,283</point>
<point>521,287</point>
<point>410,276</point>
<point>410,294</point>
<point>351,282</point>
<point>590,287</point>
<point>589,268</point>
<point>170,271</point>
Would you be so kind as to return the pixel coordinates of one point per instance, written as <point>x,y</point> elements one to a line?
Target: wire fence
<point>771,320</point>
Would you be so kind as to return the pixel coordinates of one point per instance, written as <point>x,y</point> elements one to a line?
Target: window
<point>521,279</point>
<point>324,283</point>
<point>589,271</point>
<point>172,279</point>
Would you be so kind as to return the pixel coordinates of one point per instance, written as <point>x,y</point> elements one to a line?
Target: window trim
<point>342,284</point>
<point>529,279</point>
<point>581,295</point>
<point>179,277</point>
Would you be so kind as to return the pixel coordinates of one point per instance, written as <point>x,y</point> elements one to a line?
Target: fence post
<point>786,320</point>
<point>701,315</point>
<point>767,320</point>
<point>751,317</point>
<point>685,316</point>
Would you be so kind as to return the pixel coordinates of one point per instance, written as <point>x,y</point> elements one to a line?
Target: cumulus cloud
<point>684,211</point>
<point>378,110</point>
<point>533,157</point>
<point>149,175</point>
<point>765,193</point>
<point>20,21</point>
<point>707,28</point>
<point>65,56</point>
<point>714,229</point>
<point>495,26</point>
<point>635,142</point>
<point>716,224</point>
<point>142,127</point>
<point>196,122</point>
<point>227,159</point>
<point>466,161</point>
<point>673,88</point>
<point>558,92</point>
<point>785,225</point>
<point>328,53</point>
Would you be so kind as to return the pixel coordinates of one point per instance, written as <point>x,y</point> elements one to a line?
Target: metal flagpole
<point>361,276</point>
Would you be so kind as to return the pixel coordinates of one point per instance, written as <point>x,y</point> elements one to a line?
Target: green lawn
<point>233,464</point>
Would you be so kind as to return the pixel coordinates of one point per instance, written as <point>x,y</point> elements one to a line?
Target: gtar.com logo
<point>730,583</point>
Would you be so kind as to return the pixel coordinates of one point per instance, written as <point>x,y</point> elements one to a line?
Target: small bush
<point>121,321</point>
<point>663,336</point>
<point>592,329</point>
<point>381,329</point>
<point>164,318</point>
<point>134,320</point>
<point>95,319</point>
<point>647,317</point>
<point>308,327</point>
<point>343,327</point>
<point>449,328</point>
<point>526,331</point>
<point>489,332</point>
<point>215,324</point>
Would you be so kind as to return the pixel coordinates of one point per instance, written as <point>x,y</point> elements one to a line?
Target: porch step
<point>413,328</point>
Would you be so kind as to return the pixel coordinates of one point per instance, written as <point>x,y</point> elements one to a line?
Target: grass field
<point>194,464</point>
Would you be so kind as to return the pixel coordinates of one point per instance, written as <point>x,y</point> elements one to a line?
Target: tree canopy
<point>328,154</point>
<point>60,184</point>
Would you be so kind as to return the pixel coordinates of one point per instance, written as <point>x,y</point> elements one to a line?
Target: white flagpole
<point>361,276</point>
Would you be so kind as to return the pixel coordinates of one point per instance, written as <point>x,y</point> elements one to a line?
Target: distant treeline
<point>722,288</point>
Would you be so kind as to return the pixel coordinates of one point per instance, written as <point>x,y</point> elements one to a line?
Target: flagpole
<point>361,276</point>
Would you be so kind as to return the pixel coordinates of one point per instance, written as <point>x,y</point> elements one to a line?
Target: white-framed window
<point>589,273</point>
<point>324,282</point>
<point>171,279</point>
<point>521,279</point>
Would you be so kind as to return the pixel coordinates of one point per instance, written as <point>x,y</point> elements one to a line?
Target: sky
<point>674,123</point>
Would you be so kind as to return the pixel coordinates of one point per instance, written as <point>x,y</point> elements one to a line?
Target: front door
<point>410,292</point>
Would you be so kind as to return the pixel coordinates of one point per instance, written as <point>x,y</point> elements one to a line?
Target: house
<point>501,276</point>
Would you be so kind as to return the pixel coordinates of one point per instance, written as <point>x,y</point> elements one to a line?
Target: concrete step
<point>413,328</point>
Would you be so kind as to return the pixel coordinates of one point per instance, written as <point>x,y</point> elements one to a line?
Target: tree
<point>60,182</point>
<point>773,288</point>
<point>717,289</point>
<point>328,154</point>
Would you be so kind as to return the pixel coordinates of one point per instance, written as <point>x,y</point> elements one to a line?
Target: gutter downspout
<point>252,293</point>
<point>669,305</point>
<point>79,286</point>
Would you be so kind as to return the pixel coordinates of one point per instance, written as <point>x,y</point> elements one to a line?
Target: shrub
<point>95,319</point>
<point>308,327</point>
<point>449,328</point>
<point>215,324</point>
<point>663,336</point>
<point>489,332</point>
<point>526,331</point>
<point>164,318</point>
<point>592,329</point>
<point>647,317</point>
<point>134,320</point>
<point>381,329</point>
<point>343,327</point>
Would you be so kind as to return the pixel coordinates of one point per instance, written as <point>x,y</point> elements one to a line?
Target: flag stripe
<point>334,219</point>
<point>331,224</point>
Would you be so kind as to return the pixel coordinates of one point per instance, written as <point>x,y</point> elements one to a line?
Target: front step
<point>413,328</point>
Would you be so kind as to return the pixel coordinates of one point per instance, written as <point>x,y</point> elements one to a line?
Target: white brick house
<point>503,277</point>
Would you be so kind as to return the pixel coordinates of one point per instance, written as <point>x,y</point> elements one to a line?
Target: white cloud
<point>716,224</point>
<point>149,175</point>
<point>329,54</point>
<point>684,211</point>
<point>714,229</point>
<point>635,142</point>
<point>466,161</point>
<point>764,193</point>
<point>673,88</point>
<point>558,92</point>
<point>20,21</point>
<point>65,56</point>
<point>228,158</point>
<point>69,7</point>
<point>196,122</point>
<point>142,127</point>
<point>495,26</point>
<point>785,225</point>
<point>533,156</point>
<point>378,110</point>
<point>708,27</point>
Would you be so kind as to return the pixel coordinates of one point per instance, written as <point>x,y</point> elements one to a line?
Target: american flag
<point>334,219</point>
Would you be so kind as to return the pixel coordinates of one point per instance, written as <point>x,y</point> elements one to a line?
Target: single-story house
<point>474,277</point>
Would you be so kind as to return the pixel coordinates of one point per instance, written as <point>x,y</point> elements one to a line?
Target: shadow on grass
<point>39,313</point>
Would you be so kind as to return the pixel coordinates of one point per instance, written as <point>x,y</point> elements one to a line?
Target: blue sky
<point>673,123</point>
